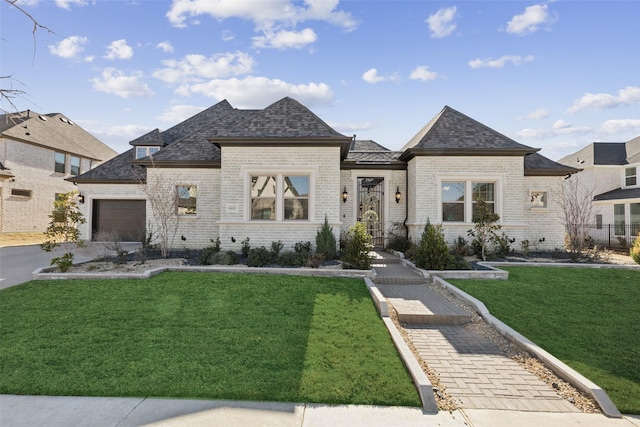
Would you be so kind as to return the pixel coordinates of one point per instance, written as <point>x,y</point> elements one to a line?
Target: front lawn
<point>197,335</point>
<point>588,318</point>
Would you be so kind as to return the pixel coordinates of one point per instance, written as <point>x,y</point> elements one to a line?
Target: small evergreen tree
<point>326,241</point>
<point>433,252</point>
<point>357,247</point>
<point>63,229</point>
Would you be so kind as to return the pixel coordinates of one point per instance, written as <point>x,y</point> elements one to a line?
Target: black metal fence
<point>614,236</point>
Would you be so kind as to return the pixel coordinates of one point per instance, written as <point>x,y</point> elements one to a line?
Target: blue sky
<point>553,75</point>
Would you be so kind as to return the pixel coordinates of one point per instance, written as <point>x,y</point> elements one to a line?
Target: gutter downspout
<point>406,202</point>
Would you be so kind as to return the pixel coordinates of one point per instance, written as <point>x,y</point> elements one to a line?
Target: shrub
<point>292,259</point>
<point>276,247</point>
<point>64,263</point>
<point>302,247</point>
<point>635,250</point>
<point>226,258</point>
<point>502,245</point>
<point>315,260</point>
<point>326,241</point>
<point>433,251</point>
<point>246,247</point>
<point>357,247</point>
<point>461,246</point>
<point>525,247</point>
<point>258,257</point>
<point>398,240</point>
<point>485,230</point>
<point>209,252</point>
<point>145,237</point>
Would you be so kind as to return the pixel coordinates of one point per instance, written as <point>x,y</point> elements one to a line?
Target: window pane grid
<point>296,197</point>
<point>187,199</point>
<point>263,197</point>
<point>59,162</point>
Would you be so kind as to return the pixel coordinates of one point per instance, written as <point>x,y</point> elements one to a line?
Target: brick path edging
<point>556,365</point>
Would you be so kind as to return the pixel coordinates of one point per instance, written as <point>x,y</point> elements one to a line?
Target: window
<point>59,162</point>
<point>296,197</point>
<point>263,197</point>
<point>453,201</point>
<point>618,219</point>
<point>538,199</point>
<point>187,196</point>
<point>20,193</point>
<point>630,177</point>
<point>146,151</point>
<point>634,218</point>
<point>459,199</point>
<point>484,191</point>
<point>598,222</point>
<point>74,164</point>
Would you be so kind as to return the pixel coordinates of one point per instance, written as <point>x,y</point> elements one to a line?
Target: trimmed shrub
<point>433,251</point>
<point>397,238</point>
<point>302,247</point>
<point>246,247</point>
<point>258,257</point>
<point>276,247</point>
<point>357,247</point>
<point>209,252</point>
<point>292,259</point>
<point>326,241</point>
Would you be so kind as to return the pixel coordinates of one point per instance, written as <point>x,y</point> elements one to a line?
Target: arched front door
<point>371,208</point>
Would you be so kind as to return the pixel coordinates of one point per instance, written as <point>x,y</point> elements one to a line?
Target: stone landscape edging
<point>557,366</point>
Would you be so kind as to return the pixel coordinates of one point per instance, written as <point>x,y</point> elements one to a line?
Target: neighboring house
<point>612,171</point>
<point>276,173</point>
<point>37,153</point>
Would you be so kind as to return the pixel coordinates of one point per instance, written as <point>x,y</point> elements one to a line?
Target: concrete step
<point>382,257</point>
<point>396,274</point>
<point>417,304</point>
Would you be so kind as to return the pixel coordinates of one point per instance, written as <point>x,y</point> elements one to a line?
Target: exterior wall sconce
<point>398,195</point>
<point>81,198</point>
<point>345,195</point>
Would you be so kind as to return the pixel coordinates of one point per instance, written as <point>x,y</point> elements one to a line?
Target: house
<point>611,171</point>
<point>37,153</point>
<point>276,173</point>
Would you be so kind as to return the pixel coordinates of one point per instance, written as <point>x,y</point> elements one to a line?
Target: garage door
<point>127,217</point>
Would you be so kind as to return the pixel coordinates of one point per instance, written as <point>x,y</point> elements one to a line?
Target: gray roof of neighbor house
<point>619,194</point>
<point>453,133</point>
<point>605,154</point>
<point>53,131</point>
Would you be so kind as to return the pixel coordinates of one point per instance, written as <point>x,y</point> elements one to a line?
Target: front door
<point>371,208</point>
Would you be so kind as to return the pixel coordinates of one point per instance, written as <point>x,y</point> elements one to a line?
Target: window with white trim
<point>279,197</point>
<point>459,198</point>
<point>74,165</point>
<point>630,176</point>
<point>187,198</point>
<point>60,160</point>
<point>618,220</point>
<point>144,151</point>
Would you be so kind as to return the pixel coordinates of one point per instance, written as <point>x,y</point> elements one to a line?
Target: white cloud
<point>372,76</point>
<point>66,4</point>
<point>285,39</point>
<point>530,20</point>
<point>69,48</point>
<point>194,68</point>
<point>423,73</point>
<point>615,126</point>
<point>257,92</point>
<point>602,101</point>
<point>559,128</point>
<point>268,13</point>
<point>561,124</point>
<point>351,128</point>
<point>538,114</point>
<point>442,22</point>
<point>166,46</point>
<point>179,113</point>
<point>500,62</point>
<point>119,49</point>
<point>125,86</point>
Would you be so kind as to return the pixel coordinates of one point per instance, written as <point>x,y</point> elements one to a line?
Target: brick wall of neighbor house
<point>426,171</point>
<point>33,168</point>
<point>323,163</point>
<point>542,223</point>
<point>104,191</point>
<point>198,229</point>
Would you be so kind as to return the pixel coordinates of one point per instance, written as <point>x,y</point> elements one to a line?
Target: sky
<point>553,75</point>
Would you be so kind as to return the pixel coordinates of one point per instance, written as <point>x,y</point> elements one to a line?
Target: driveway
<point>18,262</point>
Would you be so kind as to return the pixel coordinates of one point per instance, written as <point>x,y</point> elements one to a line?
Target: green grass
<point>588,318</point>
<point>210,336</point>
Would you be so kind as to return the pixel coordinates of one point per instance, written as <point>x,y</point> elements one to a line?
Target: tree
<point>433,252</point>
<point>160,192</point>
<point>485,229</point>
<point>577,211</point>
<point>63,229</point>
<point>326,241</point>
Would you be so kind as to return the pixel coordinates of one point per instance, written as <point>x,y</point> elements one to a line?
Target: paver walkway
<point>473,370</point>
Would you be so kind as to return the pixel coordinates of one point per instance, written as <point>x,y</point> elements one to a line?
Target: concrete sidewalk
<point>51,411</point>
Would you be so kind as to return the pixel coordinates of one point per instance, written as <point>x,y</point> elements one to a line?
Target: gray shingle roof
<point>120,169</point>
<point>370,152</point>
<point>609,153</point>
<point>619,194</point>
<point>451,132</point>
<point>286,118</point>
<point>54,131</point>
<point>535,164</point>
